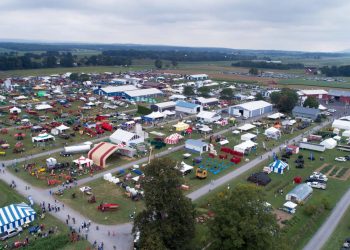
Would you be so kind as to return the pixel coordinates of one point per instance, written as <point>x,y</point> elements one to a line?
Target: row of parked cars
<point>317,180</point>
<point>343,158</point>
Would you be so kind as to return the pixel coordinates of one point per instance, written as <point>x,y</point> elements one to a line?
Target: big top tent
<point>15,215</point>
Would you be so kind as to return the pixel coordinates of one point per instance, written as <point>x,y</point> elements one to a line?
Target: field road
<point>326,230</point>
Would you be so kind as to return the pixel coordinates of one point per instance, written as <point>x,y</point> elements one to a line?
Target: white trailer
<point>77,149</point>
<point>312,146</point>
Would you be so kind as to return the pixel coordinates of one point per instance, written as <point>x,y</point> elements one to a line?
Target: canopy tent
<point>181,126</point>
<point>62,128</point>
<point>278,166</point>
<point>15,215</point>
<point>83,162</point>
<point>273,133</point>
<point>346,133</point>
<point>276,116</point>
<point>329,143</point>
<point>173,138</point>
<point>205,129</point>
<point>15,110</point>
<point>246,127</point>
<point>168,113</point>
<point>288,122</point>
<point>245,147</point>
<point>248,137</point>
<point>43,107</point>
<point>102,151</point>
<point>43,137</point>
<point>222,122</point>
<point>321,107</point>
<point>154,116</point>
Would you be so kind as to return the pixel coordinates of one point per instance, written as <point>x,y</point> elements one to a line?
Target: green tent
<point>41,93</point>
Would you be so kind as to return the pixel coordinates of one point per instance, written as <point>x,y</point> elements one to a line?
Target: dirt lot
<point>281,216</point>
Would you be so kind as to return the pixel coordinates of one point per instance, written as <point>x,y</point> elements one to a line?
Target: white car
<point>331,110</point>
<point>340,159</point>
<point>318,176</point>
<point>10,233</point>
<point>317,185</point>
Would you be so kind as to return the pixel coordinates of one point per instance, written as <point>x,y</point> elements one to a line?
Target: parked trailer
<point>312,146</point>
<point>77,149</point>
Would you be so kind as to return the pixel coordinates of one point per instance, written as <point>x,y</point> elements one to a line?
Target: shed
<point>304,112</point>
<point>197,146</point>
<point>188,108</point>
<point>251,109</point>
<point>300,193</point>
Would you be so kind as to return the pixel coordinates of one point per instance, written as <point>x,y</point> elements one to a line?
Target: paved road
<point>326,230</point>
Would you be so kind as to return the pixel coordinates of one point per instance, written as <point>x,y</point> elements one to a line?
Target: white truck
<point>318,185</point>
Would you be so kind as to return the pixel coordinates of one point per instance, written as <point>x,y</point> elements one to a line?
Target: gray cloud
<point>314,25</point>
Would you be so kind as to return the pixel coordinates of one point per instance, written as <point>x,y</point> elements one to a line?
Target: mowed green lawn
<point>301,228</point>
<point>106,192</point>
<point>343,85</point>
<point>10,196</point>
<point>341,233</point>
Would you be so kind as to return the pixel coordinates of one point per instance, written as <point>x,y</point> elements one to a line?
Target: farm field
<point>9,196</point>
<point>302,225</point>
<point>341,233</point>
<point>325,84</point>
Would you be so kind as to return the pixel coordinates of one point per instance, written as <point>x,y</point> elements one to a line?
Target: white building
<point>251,109</point>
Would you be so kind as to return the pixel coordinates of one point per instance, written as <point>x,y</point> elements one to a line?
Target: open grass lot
<point>9,196</point>
<point>302,82</point>
<point>302,226</point>
<point>341,232</point>
<point>107,192</point>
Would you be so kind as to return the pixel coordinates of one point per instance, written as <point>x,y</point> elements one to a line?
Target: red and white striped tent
<point>173,138</point>
<point>83,162</point>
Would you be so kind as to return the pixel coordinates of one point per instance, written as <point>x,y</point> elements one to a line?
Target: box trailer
<point>77,149</point>
<point>312,146</point>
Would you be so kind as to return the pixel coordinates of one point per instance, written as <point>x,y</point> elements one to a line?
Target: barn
<point>251,109</point>
<point>114,90</point>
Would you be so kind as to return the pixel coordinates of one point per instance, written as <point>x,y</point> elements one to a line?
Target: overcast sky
<point>310,25</point>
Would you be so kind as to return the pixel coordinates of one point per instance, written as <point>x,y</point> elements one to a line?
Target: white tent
<point>168,112</point>
<point>208,116</point>
<point>276,116</point>
<point>246,127</point>
<point>346,133</point>
<point>321,107</point>
<point>273,133</point>
<point>342,123</point>
<point>155,115</point>
<point>329,143</point>
<point>244,146</point>
<point>62,128</point>
<point>43,107</point>
<point>248,137</point>
<point>43,137</point>
<point>83,162</point>
<point>15,110</point>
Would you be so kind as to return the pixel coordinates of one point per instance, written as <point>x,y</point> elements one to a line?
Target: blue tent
<point>278,166</point>
<point>15,215</point>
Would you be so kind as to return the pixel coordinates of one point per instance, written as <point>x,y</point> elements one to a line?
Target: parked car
<point>340,159</point>
<point>318,185</point>
<point>346,244</point>
<point>34,229</point>
<point>10,233</point>
<point>319,176</point>
<point>314,180</point>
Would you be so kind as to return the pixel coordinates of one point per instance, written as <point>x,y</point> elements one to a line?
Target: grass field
<point>9,196</point>
<point>107,192</point>
<point>301,82</point>
<point>302,226</point>
<point>341,233</point>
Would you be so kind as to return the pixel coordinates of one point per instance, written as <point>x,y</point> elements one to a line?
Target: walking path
<point>326,230</point>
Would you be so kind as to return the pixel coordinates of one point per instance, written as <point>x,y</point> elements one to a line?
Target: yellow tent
<point>181,126</point>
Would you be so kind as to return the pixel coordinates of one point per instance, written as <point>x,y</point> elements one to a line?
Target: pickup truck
<point>318,185</point>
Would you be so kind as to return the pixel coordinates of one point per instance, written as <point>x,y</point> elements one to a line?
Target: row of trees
<point>285,100</point>
<point>336,71</point>
<point>268,65</point>
<point>241,219</point>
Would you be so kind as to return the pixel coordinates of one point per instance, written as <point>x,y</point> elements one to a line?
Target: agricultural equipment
<point>201,173</point>
<point>107,207</point>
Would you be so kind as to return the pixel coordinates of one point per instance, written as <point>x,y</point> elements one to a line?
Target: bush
<point>326,204</point>
<point>142,110</point>
<point>50,243</point>
<point>310,210</point>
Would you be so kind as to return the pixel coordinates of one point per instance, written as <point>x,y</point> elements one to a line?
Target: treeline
<point>268,65</point>
<point>336,71</point>
<point>52,59</point>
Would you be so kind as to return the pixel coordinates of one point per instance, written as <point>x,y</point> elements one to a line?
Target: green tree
<point>168,219</point>
<point>285,100</point>
<point>142,110</point>
<point>204,91</point>
<point>254,71</point>
<point>74,77</point>
<point>242,221</point>
<point>226,94</point>
<point>174,63</point>
<point>259,96</point>
<point>188,91</point>
<point>84,77</point>
<point>158,63</point>
<point>311,102</point>
<point>67,60</point>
